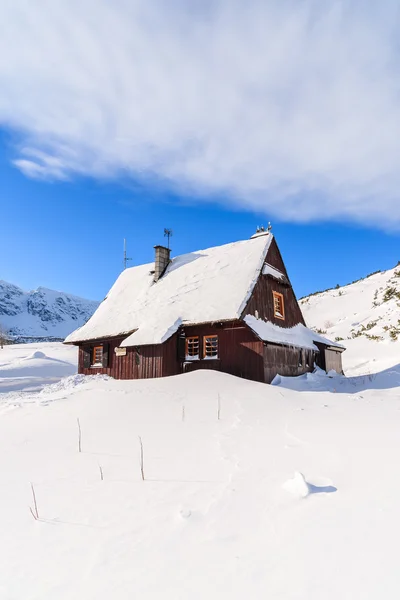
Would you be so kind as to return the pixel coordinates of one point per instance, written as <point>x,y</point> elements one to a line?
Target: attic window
<point>97,356</point>
<point>192,347</point>
<point>279,306</point>
<point>211,346</point>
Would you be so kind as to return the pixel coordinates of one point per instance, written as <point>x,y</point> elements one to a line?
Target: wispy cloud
<point>279,105</point>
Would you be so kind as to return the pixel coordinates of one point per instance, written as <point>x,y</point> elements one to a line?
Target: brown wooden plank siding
<point>287,361</point>
<point>240,352</point>
<point>274,258</point>
<point>333,361</point>
<point>139,363</point>
<point>261,300</point>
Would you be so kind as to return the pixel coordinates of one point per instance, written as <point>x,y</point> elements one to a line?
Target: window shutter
<point>137,356</point>
<point>86,357</point>
<point>104,361</point>
<point>181,346</point>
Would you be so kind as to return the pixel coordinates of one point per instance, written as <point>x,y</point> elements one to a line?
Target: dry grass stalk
<point>34,512</point>
<point>79,436</point>
<point>141,458</point>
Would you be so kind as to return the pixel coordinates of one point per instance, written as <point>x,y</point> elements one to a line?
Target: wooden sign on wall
<point>120,351</point>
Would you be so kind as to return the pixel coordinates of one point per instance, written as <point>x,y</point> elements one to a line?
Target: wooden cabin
<point>230,308</point>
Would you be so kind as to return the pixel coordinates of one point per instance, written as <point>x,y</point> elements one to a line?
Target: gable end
<point>267,287</point>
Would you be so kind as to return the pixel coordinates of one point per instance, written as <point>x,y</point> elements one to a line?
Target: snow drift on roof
<point>299,335</point>
<point>204,286</point>
<point>273,272</point>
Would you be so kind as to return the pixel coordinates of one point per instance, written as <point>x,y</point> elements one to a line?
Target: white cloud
<point>277,105</point>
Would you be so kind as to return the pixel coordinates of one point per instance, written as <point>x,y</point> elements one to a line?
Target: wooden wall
<point>333,361</point>
<point>274,258</point>
<point>158,360</point>
<point>240,352</point>
<point>287,361</point>
<point>261,299</point>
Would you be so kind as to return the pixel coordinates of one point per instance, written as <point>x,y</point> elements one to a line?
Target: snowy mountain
<point>42,313</point>
<point>364,316</point>
<point>368,307</point>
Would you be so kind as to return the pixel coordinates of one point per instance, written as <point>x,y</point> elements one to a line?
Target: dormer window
<point>279,306</point>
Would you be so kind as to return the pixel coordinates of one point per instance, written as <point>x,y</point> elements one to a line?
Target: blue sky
<point>69,235</point>
<point>119,119</point>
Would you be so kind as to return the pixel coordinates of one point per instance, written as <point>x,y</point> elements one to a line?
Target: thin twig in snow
<point>141,458</point>
<point>79,436</point>
<point>35,513</point>
<point>101,473</point>
<point>219,407</point>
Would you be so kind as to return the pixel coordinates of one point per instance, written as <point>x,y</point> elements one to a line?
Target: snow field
<point>289,494</point>
<point>29,367</point>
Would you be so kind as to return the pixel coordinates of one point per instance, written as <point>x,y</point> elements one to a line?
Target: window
<point>211,346</point>
<point>97,357</point>
<point>192,347</point>
<point>279,307</point>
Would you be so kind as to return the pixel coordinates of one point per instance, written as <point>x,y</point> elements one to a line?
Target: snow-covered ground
<point>29,367</point>
<point>249,491</point>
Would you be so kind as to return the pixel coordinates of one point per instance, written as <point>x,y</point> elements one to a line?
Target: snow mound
<point>36,354</point>
<point>297,486</point>
<point>29,367</point>
<point>319,381</point>
<point>71,382</point>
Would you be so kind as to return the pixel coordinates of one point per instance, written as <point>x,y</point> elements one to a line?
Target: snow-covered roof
<point>299,335</point>
<point>204,286</point>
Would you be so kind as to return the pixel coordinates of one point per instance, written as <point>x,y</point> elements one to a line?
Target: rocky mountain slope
<point>41,314</point>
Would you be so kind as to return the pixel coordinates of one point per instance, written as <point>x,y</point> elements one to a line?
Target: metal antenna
<point>168,233</point>
<point>125,257</point>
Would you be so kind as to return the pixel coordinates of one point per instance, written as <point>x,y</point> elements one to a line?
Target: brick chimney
<point>162,260</point>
